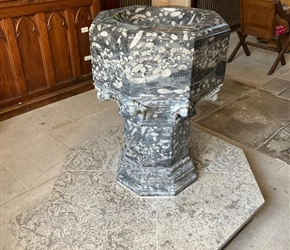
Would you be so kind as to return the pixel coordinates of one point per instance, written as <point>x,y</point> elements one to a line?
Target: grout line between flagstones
<point>248,93</point>
<point>271,137</point>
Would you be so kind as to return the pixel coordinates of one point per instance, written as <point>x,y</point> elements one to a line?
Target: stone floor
<point>252,112</point>
<point>88,209</point>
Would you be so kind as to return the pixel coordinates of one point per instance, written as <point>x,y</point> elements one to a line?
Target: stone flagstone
<point>88,209</point>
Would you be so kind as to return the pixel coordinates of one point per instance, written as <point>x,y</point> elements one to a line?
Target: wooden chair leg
<point>279,48</point>
<point>240,43</point>
<point>279,57</point>
<point>242,38</point>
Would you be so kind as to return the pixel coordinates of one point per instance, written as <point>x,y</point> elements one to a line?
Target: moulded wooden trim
<point>41,10</point>
<point>61,53</point>
<point>45,49</point>
<point>40,101</point>
<point>2,35</point>
<point>64,23</point>
<point>78,13</point>
<point>34,27</point>
<point>10,89</point>
<point>73,46</point>
<point>15,56</point>
<point>85,11</point>
<point>55,88</point>
<point>19,8</point>
<point>95,7</point>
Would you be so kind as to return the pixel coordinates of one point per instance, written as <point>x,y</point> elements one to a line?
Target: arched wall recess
<point>17,29</point>
<point>79,12</point>
<point>49,25</point>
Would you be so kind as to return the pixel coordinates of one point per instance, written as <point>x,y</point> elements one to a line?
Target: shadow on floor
<point>256,117</point>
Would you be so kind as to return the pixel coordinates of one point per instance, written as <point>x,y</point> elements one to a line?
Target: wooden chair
<point>258,18</point>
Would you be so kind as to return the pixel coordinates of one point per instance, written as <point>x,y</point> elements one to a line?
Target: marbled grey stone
<point>157,63</point>
<point>88,209</point>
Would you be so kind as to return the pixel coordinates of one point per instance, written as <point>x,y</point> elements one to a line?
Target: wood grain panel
<point>58,36</point>
<point>41,48</point>
<point>73,43</point>
<point>28,40</point>
<point>19,8</point>
<point>45,49</point>
<point>95,7</point>
<point>259,27</point>
<point>14,56</point>
<point>109,4</point>
<point>83,20</point>
<point>8,84</point>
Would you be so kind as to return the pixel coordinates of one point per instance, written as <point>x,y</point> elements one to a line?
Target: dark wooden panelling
<point>15,58</point>
<point>58,37</point>
<point>83,20</point>
<point>109,4</point>
<point>228,9</point>
<point>45,49</point>
<point>29,48</point>
<point>40,101</point>
<point>42,51</point>
<point>8,84</point>
<point>20,8</point>
<point>194,3</point>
